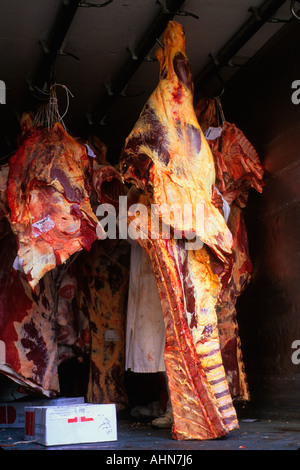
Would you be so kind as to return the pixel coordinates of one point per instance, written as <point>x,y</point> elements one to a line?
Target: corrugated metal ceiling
<point>98,44</point>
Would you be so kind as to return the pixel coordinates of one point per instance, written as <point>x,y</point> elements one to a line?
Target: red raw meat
<point>48,197</point>
<point>238,169</point>
<point>43,327</point>
<point>237,164</point>
<point>27,326</point>
<point>102,285</point>
<point>101,296</point>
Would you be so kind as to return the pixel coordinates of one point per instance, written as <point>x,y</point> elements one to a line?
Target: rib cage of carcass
<point>167,158</point>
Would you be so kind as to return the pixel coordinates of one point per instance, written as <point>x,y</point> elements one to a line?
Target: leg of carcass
<point>198,412</point>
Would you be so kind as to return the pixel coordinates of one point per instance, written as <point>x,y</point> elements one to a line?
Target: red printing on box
<point>73,420</point>
<point>29,423</point>
<point>82,419</point>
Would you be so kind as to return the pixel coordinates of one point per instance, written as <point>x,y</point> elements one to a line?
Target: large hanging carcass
<point>168,160</point>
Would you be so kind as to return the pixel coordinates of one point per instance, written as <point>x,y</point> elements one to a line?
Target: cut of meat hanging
<point>237,170</point>
<point>237,164</point>
<point>39,330</point>
<point>27,326</point>
<point>167,157</point>
<point>102,285</point>
<point>230,341</point>
<point>102,279</point>
<point>27,318</point>
<point>48,198</point>
<point>244,169</point>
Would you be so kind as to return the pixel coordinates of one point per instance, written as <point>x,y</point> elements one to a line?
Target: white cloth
<point>145,330</point>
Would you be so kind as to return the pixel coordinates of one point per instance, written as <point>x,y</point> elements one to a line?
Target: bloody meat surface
<point>238,169</point>
<point>46,195</point>
<point>48,199</point>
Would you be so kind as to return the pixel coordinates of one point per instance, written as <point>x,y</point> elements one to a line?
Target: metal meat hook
<point>292,8</point>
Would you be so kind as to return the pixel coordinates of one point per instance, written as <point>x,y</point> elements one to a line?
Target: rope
<point>48,114</point>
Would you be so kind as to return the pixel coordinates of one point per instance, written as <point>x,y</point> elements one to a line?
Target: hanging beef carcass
<point>28,340</point>
<point>77,310</point>
<point>238,169</point>
<point>48,198</point>
<point>167,158</point>
<point>39,330</point>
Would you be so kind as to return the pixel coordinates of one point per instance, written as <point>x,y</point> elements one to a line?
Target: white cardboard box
<point>12,414</point>
<point>62,425</point>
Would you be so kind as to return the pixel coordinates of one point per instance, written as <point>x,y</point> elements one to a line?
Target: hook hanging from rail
<point>159,43</point>
<point>219,110</point>
<point>292,8</point>
<point>218,104</point>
